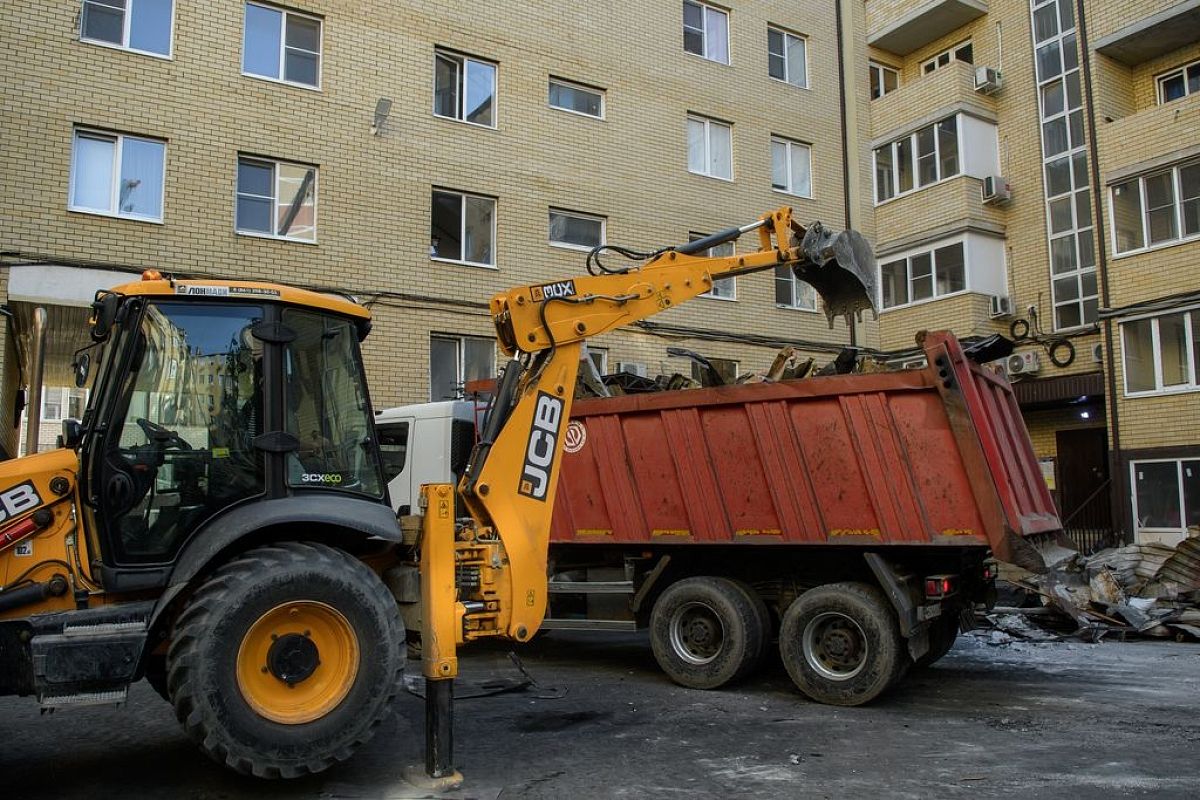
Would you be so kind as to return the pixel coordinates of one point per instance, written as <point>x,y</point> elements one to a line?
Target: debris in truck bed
<point>1141,589</point>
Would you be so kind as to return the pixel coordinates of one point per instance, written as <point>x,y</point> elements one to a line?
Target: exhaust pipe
<point>37,358</point>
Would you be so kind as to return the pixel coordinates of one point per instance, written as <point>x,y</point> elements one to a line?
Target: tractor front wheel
<point>285,660</point>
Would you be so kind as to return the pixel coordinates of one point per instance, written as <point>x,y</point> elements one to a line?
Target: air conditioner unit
<point>1001,306</point>
<point>914,363</point>
<point>1097,353</point>
<point>988,80</point>
<point>1025,363</point>
<point>996,190</point>
<point>632,367</point>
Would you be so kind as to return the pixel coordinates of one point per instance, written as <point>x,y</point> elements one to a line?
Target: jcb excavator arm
<point>487,577</point>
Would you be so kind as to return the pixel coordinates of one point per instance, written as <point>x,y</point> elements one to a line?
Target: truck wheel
<point>942,633</point>
<point>286,660</point>
<point>841,644</point>
<point>764,622</point>
<point>706,632</point>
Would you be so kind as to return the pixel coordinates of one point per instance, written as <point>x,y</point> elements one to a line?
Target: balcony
<point>949,89</point>
<point>904,26</point>
<point>1148,139</point>
<point>1154,34</point>
<point>934,212</point>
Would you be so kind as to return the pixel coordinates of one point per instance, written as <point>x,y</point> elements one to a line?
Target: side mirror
<point>72,434</point>
<point>104,311</point>
<point>82,365</point>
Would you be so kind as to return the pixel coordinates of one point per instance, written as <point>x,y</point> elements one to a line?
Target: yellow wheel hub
<point>297,662</point>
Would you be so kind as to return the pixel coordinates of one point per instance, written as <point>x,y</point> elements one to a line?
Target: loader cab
<point>207,399</point>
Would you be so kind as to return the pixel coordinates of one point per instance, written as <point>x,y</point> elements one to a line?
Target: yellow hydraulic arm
<point>486,577</point>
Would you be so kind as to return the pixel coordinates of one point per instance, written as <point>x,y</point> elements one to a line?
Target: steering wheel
<point>165,436</point>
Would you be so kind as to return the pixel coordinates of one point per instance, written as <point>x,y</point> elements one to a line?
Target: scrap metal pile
<point>1141,589</point>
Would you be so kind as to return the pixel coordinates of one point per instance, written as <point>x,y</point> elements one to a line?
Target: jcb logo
<point>549,291</point>
<point>543,437</point>
<point>18,500</point>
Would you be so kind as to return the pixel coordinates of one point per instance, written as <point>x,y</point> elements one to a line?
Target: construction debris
<point>1142,589</point>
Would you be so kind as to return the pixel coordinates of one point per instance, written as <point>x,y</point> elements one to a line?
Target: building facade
<point>1023,166</point>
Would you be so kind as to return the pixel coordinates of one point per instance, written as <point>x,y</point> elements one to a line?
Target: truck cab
<point>442,433</point>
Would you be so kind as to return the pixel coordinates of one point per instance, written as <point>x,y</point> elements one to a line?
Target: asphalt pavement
<point>1067,720</point>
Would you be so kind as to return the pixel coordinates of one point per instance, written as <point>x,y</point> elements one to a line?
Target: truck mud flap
<point>913,617</point>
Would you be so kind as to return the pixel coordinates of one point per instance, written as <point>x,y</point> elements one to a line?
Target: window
<point>282,46</point>
<point>393,447</point>
<point>576,98</point>
<point>706,31</point>
<point>276,199</point>
<point>923,275</point>
<point>571,229</point>
<point>710,148</point>
<point>76,402</point>
<point>143,26</point>
<point>463,228</point>
<point>786,59</point>
<point>454,360</point>
<point>791,167</point>
<point>1157,209</point>
<point>791,292</point>
<point>118,175</point>
<point>883,79</point>
<point>1166,495</point>
<point>464,89</point>
<point>960,52</point>
<point>1162,354</point>
<point>52,403</point>
<point>722,288</point>
<point>599,359</point>
<point>1179,83</point>
<point>726,370</point>
<point>919,159</point>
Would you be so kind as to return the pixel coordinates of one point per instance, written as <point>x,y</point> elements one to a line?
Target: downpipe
<point>37,358</point>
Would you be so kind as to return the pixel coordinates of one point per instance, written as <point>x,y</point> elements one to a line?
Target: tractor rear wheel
<point>285,660</point>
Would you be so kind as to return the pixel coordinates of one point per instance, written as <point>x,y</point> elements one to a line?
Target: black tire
<point>765,623</point>
<point>706,632</point>
<point>942,633</point>
<point>208,663</point>
<point>841,644</point>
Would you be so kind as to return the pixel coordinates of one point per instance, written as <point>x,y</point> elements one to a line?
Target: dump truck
<point>217,523</point>
<point>855,518</point>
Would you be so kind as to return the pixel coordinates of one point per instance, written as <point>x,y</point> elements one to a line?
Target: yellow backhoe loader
<point>217,523</point>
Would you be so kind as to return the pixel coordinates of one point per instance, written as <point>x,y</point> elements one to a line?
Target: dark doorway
<point>1085,488</point>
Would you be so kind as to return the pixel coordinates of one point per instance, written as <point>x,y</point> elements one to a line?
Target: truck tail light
<point>990,572</point>
<point>939,586</point>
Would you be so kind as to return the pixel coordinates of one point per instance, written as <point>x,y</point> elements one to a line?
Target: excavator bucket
<point>841,268</point>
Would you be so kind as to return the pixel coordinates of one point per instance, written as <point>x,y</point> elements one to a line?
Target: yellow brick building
<point>425,155</point>
<point>1088,117</point>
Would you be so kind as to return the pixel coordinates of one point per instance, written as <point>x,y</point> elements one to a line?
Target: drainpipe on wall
<point>847,186</point>
<point>1118,499</point>
<point>37,358</point>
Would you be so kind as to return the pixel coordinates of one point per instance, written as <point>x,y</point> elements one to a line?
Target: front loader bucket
<point>841,268</point>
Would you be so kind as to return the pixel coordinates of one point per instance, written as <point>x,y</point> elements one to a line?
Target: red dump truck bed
<point>933,456</point>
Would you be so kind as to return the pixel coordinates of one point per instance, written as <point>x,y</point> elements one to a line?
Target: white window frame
<point>787,77</point>
<point>1181,71</point>
<point>932,65</point>
<point>283,47</point>
<point>463,59</point>
<point>876,68</point>
<point>791,145</point>
<point>794,305</point>
<point>707,8</point>
<point>126,25</point>
<point>1191,316</point>
<point>275,203</point>
<point>1177,189</point>
<point>118,140</point>
<point>1178,462</point>
<point>930,250</point>
<point>715,293</point>
<point>581,87</point>
<point>576,215</point>
<point>915,161</point>
<point>709,122</point>
<point>599,358</point>
<point>460,357</point>
<point>62,404</point>
<point>462,227</point>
